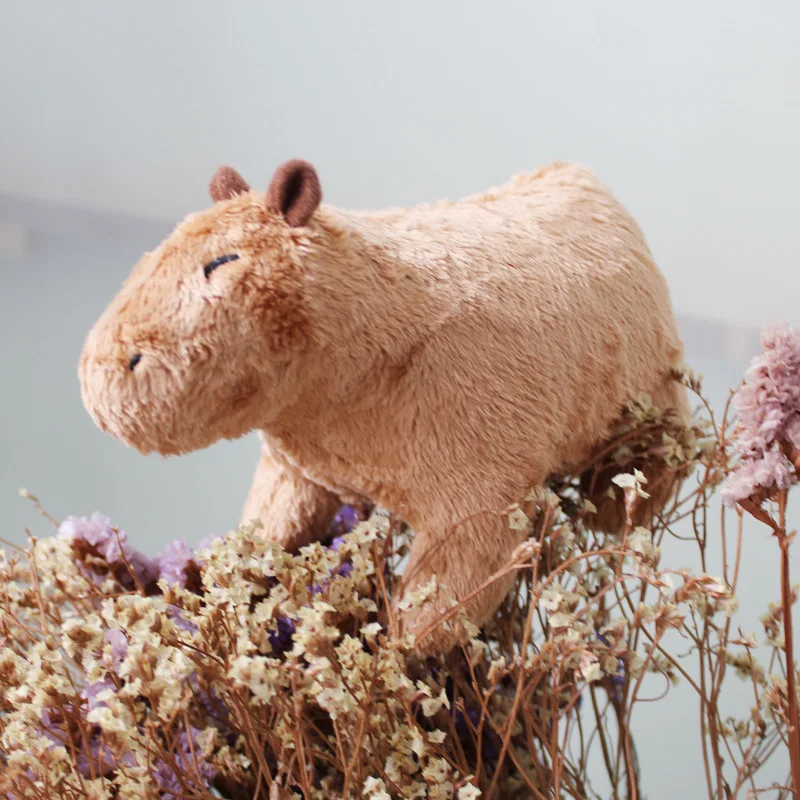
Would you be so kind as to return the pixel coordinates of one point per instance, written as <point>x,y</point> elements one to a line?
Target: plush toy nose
<point>134,361</point>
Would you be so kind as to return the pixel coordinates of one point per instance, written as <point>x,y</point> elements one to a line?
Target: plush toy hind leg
<point>662,480</point>
<point>462,560</point>
<point>293,509</point>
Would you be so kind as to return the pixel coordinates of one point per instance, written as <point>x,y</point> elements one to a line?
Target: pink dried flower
<point>773,469</point>
<point>768,410</point>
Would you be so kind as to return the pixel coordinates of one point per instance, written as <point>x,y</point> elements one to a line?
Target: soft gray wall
<point>688,109</point>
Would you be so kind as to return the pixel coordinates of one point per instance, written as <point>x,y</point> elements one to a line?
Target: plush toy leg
<point>611,516</point>
<point>462,560</point>
<point>293,510</point>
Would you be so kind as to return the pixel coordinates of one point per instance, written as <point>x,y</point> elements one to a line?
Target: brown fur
<point>439,360</point>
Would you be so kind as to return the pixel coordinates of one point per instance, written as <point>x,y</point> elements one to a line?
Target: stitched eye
<point>212,265</point>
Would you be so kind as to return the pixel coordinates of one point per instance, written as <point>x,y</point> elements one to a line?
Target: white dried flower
<point>497,670</point>
<point>375,789</point>
<point>589,667</point>
<point>543,497</point>
<point>640,540</point>
<point>632,482</point>
<point>517,518</point>
<point>258,675</point>
<point>432,705</point>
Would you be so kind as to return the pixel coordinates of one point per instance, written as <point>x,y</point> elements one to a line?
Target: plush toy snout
<point>117,381</point>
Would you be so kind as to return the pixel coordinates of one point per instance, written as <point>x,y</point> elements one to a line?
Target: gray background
<point>113,117</point>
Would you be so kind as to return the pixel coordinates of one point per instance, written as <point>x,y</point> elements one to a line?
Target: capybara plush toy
<point>439,361</point>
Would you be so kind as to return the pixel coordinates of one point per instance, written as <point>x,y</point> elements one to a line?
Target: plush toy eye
<point>212,265</point>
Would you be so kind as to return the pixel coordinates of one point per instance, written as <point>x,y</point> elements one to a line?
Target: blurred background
<point>114,117</point>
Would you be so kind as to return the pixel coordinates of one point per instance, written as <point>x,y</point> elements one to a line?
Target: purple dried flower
<point>179,565</point>
<point>280,639</point>
<point>96,532</point>
<point>768,410</point>
<point>464,724</point>
<point>196,773</point>
<point>52,726</point>
<point>768,404</point>
<point>460,722</point>
<point>205,544</point>
<point>29,774</point>
<point>119,644</point>
<point>216,711</point>
<point>144,569</point>
<point>344,570</point>
<point>92,690</point>
<point>97,537</point>
<point>345,520</point>
<point>174,561</point>
<point>773,469</point>
<point>180,621</point>
<point>101,760</point>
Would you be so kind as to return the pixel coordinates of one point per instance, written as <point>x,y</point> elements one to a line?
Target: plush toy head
<point>196,344</point>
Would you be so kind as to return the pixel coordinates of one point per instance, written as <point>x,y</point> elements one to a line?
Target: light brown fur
<point>439,360</point>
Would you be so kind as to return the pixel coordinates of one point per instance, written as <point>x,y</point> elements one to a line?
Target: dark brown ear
<point>227,183</point>
<point>294,192</point>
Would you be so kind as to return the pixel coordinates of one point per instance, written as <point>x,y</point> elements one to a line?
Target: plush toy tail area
<point>653,436</point>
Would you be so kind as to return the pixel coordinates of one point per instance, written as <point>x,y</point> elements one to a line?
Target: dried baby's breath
<point>238,670</point>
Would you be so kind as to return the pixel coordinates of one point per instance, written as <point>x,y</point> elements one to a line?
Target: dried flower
<point>206,671</point>
<point>768,410</point>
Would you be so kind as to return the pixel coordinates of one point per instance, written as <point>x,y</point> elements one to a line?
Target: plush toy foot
<point>463,575</point>
<point>661,480</point>
<point>435,626</point>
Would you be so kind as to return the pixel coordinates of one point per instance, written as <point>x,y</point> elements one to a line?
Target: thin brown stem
<point>788,647</point>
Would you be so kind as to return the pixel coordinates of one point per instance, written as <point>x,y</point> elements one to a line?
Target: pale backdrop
<point>119,113</point>
<point>689,109</point>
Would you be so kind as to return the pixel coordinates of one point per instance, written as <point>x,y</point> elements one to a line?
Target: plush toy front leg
<point>294,510</point>
<point>462,560</point>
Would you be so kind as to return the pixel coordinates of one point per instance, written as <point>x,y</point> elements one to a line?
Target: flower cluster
<point>103,552</point>
<point>184,675</point>
<point>768,409</point>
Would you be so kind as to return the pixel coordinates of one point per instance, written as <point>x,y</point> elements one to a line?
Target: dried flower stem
<point>784,540</point>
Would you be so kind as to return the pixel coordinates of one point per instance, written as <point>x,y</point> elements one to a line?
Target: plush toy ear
<point>294,192</point>
<point>227,183</point>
